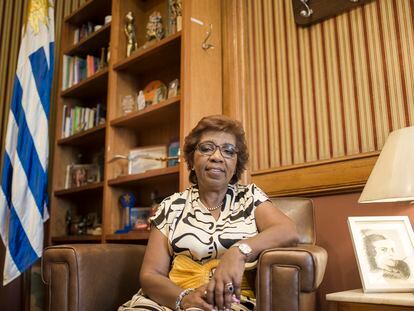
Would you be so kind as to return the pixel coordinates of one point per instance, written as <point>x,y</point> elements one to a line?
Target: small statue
<point>176,15</point>
<point>130,33</point>
<point>154,27</point>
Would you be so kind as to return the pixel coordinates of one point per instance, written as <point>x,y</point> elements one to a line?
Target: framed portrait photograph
<point>384,249</point>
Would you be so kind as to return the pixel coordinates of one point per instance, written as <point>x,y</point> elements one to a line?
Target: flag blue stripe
<point>43,76</point>
<point>26,150</point>
<point>6,179</point>
<point>19,245</point>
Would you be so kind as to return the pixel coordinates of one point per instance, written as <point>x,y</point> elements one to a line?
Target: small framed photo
<point>81,174</point>
<point>147,158</point>
<point>140,218</point>
<point>384,249</point>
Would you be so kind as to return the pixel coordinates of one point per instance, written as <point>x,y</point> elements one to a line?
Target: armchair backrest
<point>300,210</point>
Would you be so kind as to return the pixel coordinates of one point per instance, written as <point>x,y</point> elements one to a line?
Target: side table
<point>357,300</point>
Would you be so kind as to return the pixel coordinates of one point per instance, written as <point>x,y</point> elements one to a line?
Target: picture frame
<point>143,159</point>
<point>78,175</point>
<point>384,249</point>
<point>140,218</point>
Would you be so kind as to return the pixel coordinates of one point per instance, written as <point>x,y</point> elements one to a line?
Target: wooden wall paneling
<point>330,91</point>
<point>346,174</point>
<point>201,70</point>
<point>235,102</point>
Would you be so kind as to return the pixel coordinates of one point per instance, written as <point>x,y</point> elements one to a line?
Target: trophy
<point>127,201</point>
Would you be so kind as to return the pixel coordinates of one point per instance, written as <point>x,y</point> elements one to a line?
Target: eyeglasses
<point>208,148</point>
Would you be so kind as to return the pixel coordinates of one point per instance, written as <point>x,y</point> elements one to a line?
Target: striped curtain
<point>335,89</point>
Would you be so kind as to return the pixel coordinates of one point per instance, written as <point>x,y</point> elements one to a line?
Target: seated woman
<point>202,238</point>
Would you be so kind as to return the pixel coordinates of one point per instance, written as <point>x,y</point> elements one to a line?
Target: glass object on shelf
<point>108,19</point>
<point>127,104</point>
<point>140,100</point>
<point>173,88</point>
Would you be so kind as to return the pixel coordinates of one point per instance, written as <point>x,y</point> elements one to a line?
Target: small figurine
<point>154,27</point>
<point>176,15</point>
<point>130,33</point>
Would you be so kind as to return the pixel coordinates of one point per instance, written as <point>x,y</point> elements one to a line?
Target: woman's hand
<point>229,270</point>
<point>197,299</point>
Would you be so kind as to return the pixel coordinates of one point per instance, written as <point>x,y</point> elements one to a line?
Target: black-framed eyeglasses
<point>208,148</point>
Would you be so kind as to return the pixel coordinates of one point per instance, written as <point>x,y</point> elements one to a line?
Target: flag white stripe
<point>30,218</point>
<point>29,46</point>
<point>35,116</point>
<point>4,217</point>
<point>10,269</point>
<point>22,197</point>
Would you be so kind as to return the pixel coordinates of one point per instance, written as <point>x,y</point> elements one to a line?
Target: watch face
<point>245,249</point>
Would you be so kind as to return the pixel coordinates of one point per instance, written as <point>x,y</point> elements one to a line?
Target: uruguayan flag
<point>23,196</point>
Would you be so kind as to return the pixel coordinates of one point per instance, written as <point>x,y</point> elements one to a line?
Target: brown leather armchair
<point>85,277</point>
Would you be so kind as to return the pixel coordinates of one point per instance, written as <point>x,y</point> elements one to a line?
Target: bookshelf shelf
<point>92,10</point>
<point>92,44</point>
<point>94,187</point>
<point>160,54</point>
<point>97,83</point>
<point>154,114</point>
<point>156,174</point>
<point>95,135</point>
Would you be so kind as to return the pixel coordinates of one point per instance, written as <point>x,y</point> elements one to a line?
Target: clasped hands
<point>223,289</point>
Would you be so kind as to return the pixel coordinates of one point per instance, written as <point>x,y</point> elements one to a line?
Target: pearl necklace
<point>211,208</point>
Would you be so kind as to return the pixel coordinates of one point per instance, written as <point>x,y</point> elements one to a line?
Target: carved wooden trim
<point>325,177</point>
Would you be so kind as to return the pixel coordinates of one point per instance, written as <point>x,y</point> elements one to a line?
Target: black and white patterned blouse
<point>192,230</point>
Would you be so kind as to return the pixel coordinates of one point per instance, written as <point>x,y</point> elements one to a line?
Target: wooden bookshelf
<point>98,82</point>
<point>95,135</point>
<point>92,44</point>
<point>176,56</point>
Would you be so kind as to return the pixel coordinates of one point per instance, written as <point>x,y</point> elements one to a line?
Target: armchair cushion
<point>85,277</point>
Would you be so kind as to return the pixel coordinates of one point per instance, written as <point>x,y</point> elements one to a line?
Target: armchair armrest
<point>286,275</point>
<point>86,277</point>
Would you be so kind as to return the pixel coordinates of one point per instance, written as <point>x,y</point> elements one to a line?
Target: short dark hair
<point>217,123</point>
<point>370,248</point>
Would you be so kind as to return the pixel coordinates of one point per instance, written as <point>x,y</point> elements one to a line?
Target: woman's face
<point>215,171</point>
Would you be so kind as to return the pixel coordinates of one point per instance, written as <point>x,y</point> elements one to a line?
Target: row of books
<point>75,69</point>
<point>77,119</point>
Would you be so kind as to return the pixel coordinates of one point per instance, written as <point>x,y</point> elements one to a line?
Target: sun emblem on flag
<point>38,13</point>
